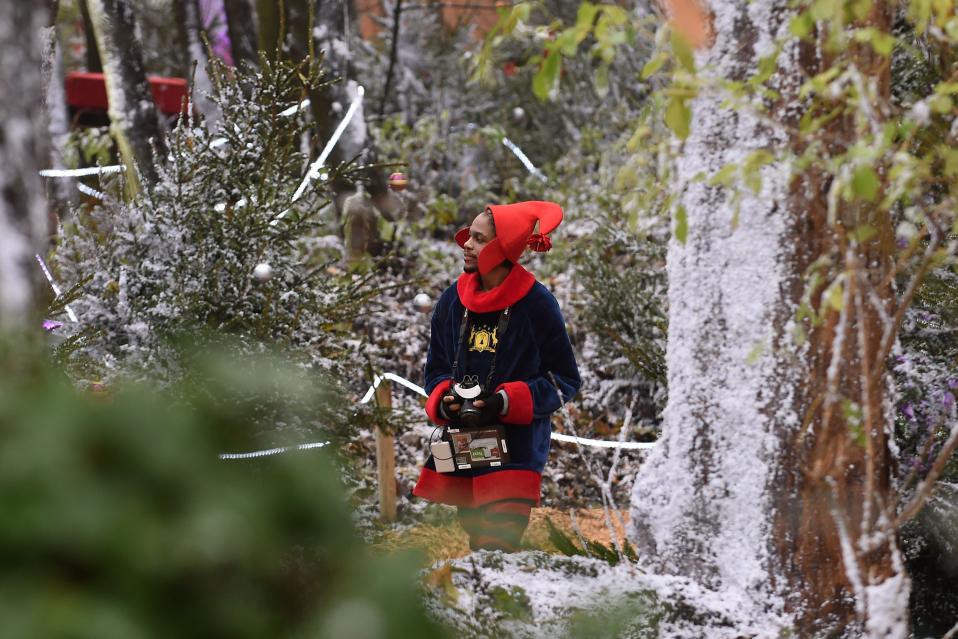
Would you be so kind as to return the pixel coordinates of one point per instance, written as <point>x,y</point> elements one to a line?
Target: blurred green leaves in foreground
<point>118,519</point>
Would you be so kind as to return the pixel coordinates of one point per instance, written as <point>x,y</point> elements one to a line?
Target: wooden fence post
<point>386,456</point>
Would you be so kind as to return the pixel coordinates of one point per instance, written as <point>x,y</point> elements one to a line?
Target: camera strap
<point>464,326</point>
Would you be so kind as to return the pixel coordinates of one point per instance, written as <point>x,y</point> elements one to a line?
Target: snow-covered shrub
<point>927,384</point>
<point>218,250</point>
<point>536,594</point>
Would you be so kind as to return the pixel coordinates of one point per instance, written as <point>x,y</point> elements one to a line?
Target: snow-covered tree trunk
<point>59,192</point>
<point>23,152</point>
<point>763,488</point>
<point>133,119</point>
<point>242,30</point>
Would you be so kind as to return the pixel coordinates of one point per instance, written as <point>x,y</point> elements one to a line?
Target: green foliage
<point>592,548</point>
<point>636,616</point>
<point>607,28</point>
<point>624,285</point>
<point>512,602</point>
<point>120,521</point>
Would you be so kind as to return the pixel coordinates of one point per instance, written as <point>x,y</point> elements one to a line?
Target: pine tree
<point>217,248</point>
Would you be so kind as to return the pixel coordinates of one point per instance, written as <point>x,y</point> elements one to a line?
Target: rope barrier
<point>379,379</point>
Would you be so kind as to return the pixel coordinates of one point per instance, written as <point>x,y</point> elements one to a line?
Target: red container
<point>88,91</point>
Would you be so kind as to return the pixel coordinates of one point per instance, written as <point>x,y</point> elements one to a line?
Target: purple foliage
<point>926,405</point>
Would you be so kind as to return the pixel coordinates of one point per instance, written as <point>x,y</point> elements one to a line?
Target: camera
<point>468,391</point>
<point>474,440</point>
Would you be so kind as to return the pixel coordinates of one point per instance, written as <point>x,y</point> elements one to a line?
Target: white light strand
<point>378,379</point>
<point>53,285</point>
<point>313,172</point>
<point>524,159</point>
<point>86,190</point>
<point>272,451</point>
<point>93,170</point>
<point>600,443</point>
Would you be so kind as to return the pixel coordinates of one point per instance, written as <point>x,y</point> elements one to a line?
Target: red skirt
<point>472,492</point>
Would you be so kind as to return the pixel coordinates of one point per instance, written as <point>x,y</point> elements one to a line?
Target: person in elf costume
<point>526,366</point>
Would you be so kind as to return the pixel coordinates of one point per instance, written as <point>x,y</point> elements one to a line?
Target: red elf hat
<point>515,224</point>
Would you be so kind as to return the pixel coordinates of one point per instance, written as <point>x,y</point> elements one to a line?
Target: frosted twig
<point>888,339</point>
<point>608,503</point>
<point>86,190</point>
<point>56,289</point>
<point>866,107</point>
<point>865,380</point>
<point>838,343</point>
<point>849,558</point>
<point>577,531</point>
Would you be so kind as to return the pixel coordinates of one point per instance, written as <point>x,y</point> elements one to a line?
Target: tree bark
<point>133,119</point>
<point>93,64</point>
<point>242,29</point>
<point>837,478</point>
<point>183,57</point>
<point>23,152</point>
<point>740,495</point>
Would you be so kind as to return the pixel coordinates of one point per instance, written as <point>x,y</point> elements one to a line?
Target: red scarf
<point>518,282</point>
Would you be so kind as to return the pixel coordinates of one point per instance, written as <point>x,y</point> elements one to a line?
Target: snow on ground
<point>535,594</point>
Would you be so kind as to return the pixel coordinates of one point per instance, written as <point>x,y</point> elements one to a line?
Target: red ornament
<point>398,182</point>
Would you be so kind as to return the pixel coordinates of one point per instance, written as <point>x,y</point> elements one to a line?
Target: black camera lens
<point>469,415</point>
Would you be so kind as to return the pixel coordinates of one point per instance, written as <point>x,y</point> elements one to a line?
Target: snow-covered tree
<point>220,247</point>
<point>775,481</point>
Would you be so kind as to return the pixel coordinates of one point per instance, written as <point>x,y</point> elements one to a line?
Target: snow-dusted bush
<point>217,249</point>
<point>536,594</point>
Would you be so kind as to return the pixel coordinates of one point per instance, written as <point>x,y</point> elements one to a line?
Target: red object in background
<point>88,91</point>
<point>510,68</point>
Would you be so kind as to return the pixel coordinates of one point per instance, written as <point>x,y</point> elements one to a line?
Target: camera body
<point>467,392</point>
<point>476,441</point>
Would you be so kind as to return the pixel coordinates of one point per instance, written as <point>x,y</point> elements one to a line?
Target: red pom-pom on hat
<point>539,243</point>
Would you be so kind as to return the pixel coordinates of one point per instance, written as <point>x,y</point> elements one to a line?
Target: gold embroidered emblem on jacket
<point>482,340</point>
